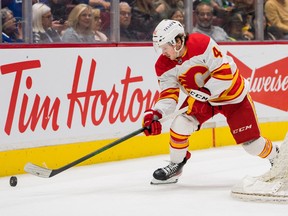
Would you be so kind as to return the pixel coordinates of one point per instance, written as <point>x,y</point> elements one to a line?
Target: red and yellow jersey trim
<point>222,73</point>
<point>234,91</point>
<point>171,93</point>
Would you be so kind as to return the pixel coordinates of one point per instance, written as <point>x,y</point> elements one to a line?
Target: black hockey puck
<point>13,181</point>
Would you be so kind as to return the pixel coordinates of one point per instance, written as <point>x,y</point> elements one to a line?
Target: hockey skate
<point>170,173</point>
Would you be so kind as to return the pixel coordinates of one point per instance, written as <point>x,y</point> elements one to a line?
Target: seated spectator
<point>16,7</point>
<point>144,18</point>
<point>221,9</point>
<point>237,29</point>
<point>11,30</point>
<point>165,7</point>
<point>204,20</point>
<point>178,15</point>
<point>61,8</point>
<point>270,32</point>
<point>125,20</point>
<point>80,22</point>
<point>99,36</point>
<point>277,14</point>
<point>42,25</point>
<point>244,10</point>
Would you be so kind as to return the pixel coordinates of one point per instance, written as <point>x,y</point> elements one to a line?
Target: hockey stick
<point>48,173</point>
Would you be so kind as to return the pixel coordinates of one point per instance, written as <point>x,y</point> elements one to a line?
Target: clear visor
<point>162,48</point>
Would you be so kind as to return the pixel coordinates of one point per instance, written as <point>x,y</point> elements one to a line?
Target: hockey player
<point>196,65</point>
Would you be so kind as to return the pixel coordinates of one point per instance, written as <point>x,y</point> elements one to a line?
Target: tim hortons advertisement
<point>64,95</point>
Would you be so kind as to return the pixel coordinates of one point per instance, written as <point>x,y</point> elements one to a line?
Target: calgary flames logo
<point>268,84</point>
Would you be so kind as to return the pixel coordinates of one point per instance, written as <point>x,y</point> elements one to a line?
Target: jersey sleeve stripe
<point>172,93</point>
<point>234,91</point>
<point>223,72</point>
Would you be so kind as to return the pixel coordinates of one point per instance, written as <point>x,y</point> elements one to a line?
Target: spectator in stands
<point>99,36</point>
<point>237,29</point>
<point>165,7</point>
<point>244,10</point>
<point>125,20</point>
<point>178,15</point>
<point>277,14</point>
<point>144,18</point>
<point>80,23</point>
<point>42,25</point>
<point>204,20</point>
<point>61,8</point>
<point>16,7</point>
<point>221,9</point>
<point>11,29</point>
<point>270,32</point>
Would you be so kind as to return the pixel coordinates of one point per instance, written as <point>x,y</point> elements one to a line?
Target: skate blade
<point>172,180</point>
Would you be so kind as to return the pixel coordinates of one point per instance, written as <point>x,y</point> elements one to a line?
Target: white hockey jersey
<point>203,64</point>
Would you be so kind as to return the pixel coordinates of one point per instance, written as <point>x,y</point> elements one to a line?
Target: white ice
<point>123,188</point>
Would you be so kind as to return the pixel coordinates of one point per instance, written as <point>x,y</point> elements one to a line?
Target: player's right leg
<point>181,128</point>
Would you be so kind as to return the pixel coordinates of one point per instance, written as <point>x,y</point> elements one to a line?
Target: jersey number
<point>216,52</point>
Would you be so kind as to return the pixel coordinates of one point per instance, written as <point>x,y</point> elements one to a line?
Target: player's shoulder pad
<point>197,43</point>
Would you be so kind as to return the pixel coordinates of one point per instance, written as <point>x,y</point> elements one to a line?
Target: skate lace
<point>171,168</point>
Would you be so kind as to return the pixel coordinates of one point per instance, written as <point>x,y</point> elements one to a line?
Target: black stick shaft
<point>92,154</point>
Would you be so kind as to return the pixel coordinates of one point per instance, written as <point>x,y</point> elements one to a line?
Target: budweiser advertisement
<point>269,83</point>
<point>63,95</point>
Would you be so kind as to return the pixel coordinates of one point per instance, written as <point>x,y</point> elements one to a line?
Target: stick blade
<point>38,170</point>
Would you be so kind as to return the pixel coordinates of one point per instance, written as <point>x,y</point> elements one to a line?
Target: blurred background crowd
<point>108,21</point>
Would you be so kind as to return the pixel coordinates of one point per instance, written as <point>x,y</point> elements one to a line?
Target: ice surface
<point>123,188</point>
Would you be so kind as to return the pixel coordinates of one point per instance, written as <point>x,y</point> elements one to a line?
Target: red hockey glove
<point>202,94</point>
<point>150,122</point>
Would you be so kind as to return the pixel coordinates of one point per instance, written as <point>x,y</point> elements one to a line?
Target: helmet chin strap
<point>179,50</point>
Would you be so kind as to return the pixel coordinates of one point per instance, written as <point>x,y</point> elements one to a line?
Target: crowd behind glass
<point>104,21</point>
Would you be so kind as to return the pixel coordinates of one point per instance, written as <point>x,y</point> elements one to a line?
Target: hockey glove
<point>202,94</point>
<point>150,122</point>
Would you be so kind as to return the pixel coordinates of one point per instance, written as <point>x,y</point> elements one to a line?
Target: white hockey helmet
<point>166,31</point>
